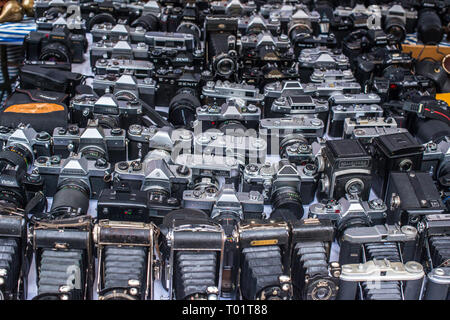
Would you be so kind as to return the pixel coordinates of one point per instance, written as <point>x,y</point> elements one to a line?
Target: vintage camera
<point>361,41</point>
<point>350,125</point>
<point>321,58</point>
<point>341,112</point>
<point>232,7</point>
<point>63,247</point>
<point>108,49</point>
<point>60,17</point>
<point>326,90</point>
<point>411,196</point>
<point>246,148</point>
<point>16,254</point>
<point>398,21</point>
<point>376,62</point>
<point>348,212</point>
<point>218,92</point>
<point>51,7</point>
<point>436,256</point>
<point>118,67</point>
<point>163,182</point>
<point>264,260</point>
<point>88,176</point>
<point>177,50</point>
<point>278,133</point>
<point>233,115</point>
<point>142,139</point>
<point>261,48</point>
<point>120,109</point>
<point>366,135</point>
<point>435,135</point>
<point>125,85</point>
<point>283,184</point>
<point>301,105</point>
<point>192,249</point>
<point>381,280</point>
<point>125,259</point>
<point>401,84</point>
<point>225,204</point>
<point>269,72</point>
<point>358,14</point>
<point>110,12</point>
<point>222,46</point>
<point>173,84</point>
<point>346,168</point>
<point>57,45</point>
<point>395,152</point>
<point>331,75</point>
<point>429,26</point>
<point>256,24</point>
<point>189,14</point>
<point>36,143</point>
<point>308,29</point>
<point>227,207</point>
<point>379,242</point>
<point>313,276</point>
<point>18,186</point>
<point>93,142</point>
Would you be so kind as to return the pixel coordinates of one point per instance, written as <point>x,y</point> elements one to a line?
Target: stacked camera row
<point>205,137</point>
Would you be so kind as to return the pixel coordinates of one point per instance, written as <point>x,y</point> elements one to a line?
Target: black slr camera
<point>60,45</point>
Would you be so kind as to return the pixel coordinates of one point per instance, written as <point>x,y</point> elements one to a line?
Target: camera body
<point>38,143</point>
<point>92,142</point>
<point>270,178</point>
<point>121,85</point>
<point>349,212</point>
<point>321,58</point>
<point>396,152</point>
<point>109,49</point>
<point>314,277</point>
<point>171,82</point>
<point>164,182</point>
<point>57,45</point>
<point>138,68</point>
<point>399,21</point>
<point>122,108</point>
<point>300,105</point>
<point>264,261</point>
<point>331,75</point>
<point>93,175</point>
<point>341,112</point>
<point>125,245</point>
<point>218,92</point>
<point>223,46</point>
<point>143,139</point>
<point>411,196</point>
<point>366,135</point>
<point>256,23</point>
<point>350,125</point>
<point>235,112</point>
<point>347,169</point>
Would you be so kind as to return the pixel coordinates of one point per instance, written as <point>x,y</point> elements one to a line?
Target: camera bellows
<point>60,269</point>
<point>194,273</point>
<point>382,290</point>
<point>124,264</point>
<point>261,270</point>
<point>9,261</point>
<point>440,250</point>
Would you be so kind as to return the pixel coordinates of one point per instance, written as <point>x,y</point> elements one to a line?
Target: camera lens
<point>207,184</point>
<point>148,22</point>
<point>289,140</point>
<point>73,196</point>
<point>100,18</point>
<point>405,165</point>
<point>93,152</point>
<point>182,109</point>
<point>107,122</point>
<point>225,66</point>
<point>395,27</point>
<point>429,27</point>
<point>55,51</point>
<point>299,31</point>
<point>286,200</point>
<point>354,186</point>
<point>232,127</point>
<point>446,62</point>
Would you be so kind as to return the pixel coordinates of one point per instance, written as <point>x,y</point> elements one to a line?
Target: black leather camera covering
<point>28,107</point>
<point>48,79</point>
